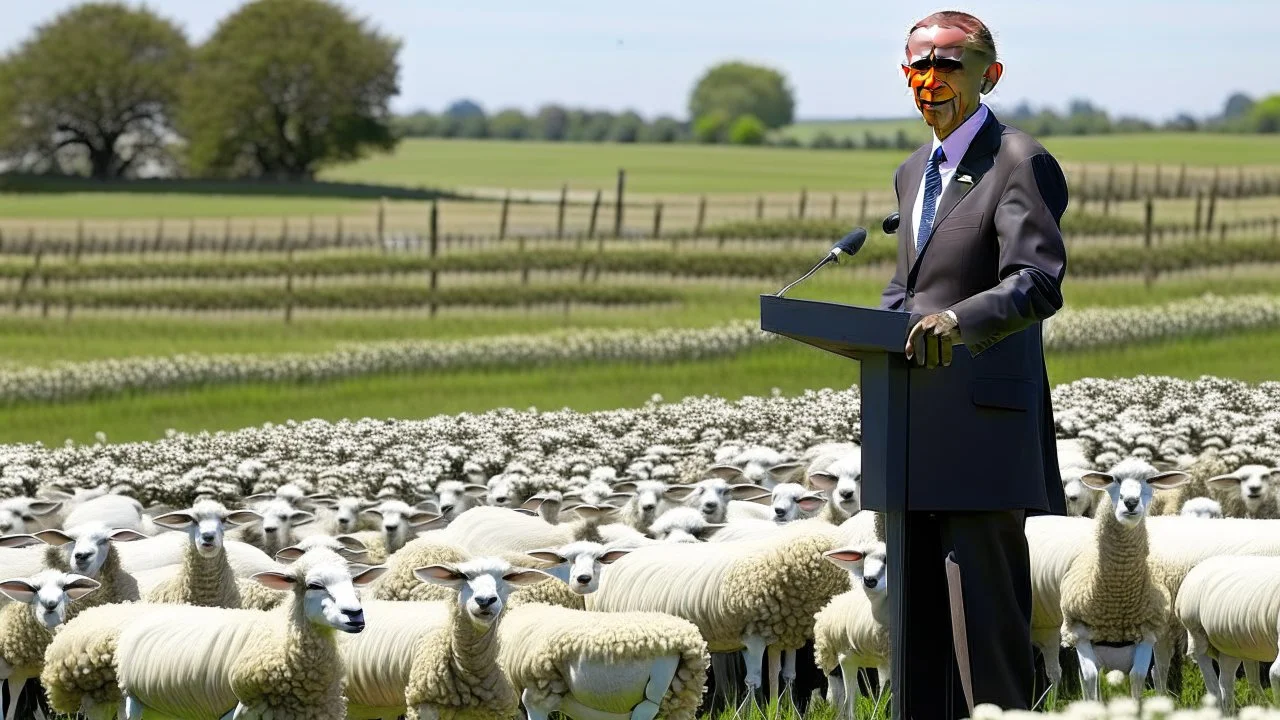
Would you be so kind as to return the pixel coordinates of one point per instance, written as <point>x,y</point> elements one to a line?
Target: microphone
<point>890,225</point>
<point>848,246</point>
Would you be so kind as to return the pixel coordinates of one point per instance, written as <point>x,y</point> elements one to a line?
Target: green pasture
<point>119,205</point>
<point>886,129</point>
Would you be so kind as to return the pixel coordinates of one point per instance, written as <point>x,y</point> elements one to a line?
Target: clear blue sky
<point>1152,58</point>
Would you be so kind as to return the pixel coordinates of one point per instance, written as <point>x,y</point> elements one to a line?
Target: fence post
<point>159,232</point>
<point>760,208</point>
<point>1240,182</point>
<point>288,285</point>
<point>433,250</point>
<point>1275,229</point>
<point>502,218</point>
<point>1149,275</point>
<point>804,200</point>
<point>284,234</point>
<point>834,200</point>
<point>657,219</point>
<point>1213,204</point>
<point>79,240</point>
<point>1199,202</point>
<point>618,208</point>
<point>564,199</point>
<point>1133,187</point>
<point>1182,181</point>
<point>1110,190</point>
<point>595,212</point>
<point>226,237</point>
<point>382,221</point>
<point>191,236</point>
<point>524,260</point>
<point>1159,168</point>
<point>702,216</point>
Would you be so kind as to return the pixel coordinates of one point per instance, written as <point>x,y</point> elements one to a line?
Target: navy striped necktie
<point>932,189</point>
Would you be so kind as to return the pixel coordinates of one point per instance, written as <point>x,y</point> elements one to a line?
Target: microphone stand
<point>830,257</point>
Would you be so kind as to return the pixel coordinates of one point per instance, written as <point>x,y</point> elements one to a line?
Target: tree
<point>552,123</point>
<point>509,125</point>
<point>1182,122</point>
<point>596,126</point>
<point>663,129</point>
<point>1237,106</point>
<point>626,127</point>
<point>285,87</point>
<point>711,127</point>
<point>100,81</point>
<point>747,130</point>
<point>417,124</point>
<point>1265,116</point>
<point>464,108</point>
<point>738,89</point>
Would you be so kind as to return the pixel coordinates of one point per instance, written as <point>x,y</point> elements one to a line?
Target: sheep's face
<point>347,514</point>
<point>11,523</point>
<point>48,594</point>
<point>502,492</point>
<point>711,496</point>
<point>206,523</point>
<point>579,564</point>
<point>87,546</point>
<point>278,520</point>
<point>326,590</point>
<point>1201,508</point>
<point>483,586</point>
<point>789,500</point>
<point>1254,483</point>
<point>19,515</point>
<point>398,520</point>
<point>867,567</point>
<point>454,498</point>
<point>1080,498</point>
<point>842,483</point>
<point>682,525</point>
<point>1130,486</point>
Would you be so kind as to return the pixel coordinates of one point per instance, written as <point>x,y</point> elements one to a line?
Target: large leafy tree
<point>96,86</point>
<point>736,89</point>
<point>285,87</point>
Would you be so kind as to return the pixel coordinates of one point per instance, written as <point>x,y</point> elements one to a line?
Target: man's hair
<point>979,36</point>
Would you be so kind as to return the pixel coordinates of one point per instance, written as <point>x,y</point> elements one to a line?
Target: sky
<point>1147,58</point>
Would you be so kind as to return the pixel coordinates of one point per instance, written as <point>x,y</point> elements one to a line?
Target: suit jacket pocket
<point>1005,393</point>
<point>961,222</point>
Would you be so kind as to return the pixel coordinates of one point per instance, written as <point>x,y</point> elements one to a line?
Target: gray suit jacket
<point>996,258</point>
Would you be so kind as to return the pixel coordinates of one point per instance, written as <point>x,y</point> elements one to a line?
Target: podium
<point>876,339</point>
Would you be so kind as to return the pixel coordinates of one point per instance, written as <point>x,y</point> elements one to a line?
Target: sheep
<point>596,665</point>
<point>840,477</point>
<point>758,465</point>
<point>647,500</point>
<point>24,515</point>
<point>546,505</point>
<point>274,528</point>
<point>79,673</point>
<point>793,501</point>
<point>284,664</point>
<point>1053,543</point>
<point>1249,491</point>
<point>433,659</point>
<point>116,511</point>
<point>852,631</point>
<point>169,548</point>
<point>683,525</point>
<point>341,516</point>
<point>41,604</point>
<point>205,577</point>
<point>398,522</point>
<point>744,595</point>
<point>577,566</point>
<point>291,493</point>
<point>1082,500</point>
<point>508,490</point>
<point>598,487</point>
<point>492,530</point>
<point>453,498</point>
<point>1201,507</point>
<point>711,496</point>
<point>1229,606</point>
<point>1113,610</point>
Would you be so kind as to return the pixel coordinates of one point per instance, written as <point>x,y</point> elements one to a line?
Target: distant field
<point>804,131</point>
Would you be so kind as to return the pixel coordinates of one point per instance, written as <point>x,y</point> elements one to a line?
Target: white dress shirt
<point>955,146</point>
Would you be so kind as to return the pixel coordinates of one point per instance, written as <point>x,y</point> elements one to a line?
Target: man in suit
<point>980,265</point>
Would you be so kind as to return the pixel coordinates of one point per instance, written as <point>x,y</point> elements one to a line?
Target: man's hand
<point>929,342</point>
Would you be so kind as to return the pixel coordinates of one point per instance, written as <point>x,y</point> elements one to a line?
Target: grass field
<point>804,131</point>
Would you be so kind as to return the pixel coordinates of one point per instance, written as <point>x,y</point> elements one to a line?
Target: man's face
<point>946,78</point>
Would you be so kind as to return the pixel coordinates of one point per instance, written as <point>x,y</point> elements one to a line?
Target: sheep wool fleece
<point>399,582</point>
<point>538,643</point>
<point>22,639</point>
<point>1109,588</point>
<point>456,670</point>
<point>80,663</point>
<point>202,581</point>
<point>847,626</point>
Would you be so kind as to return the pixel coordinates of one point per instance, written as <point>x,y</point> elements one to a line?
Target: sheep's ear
<point>724,472</point>
<point>1223,482</point>
<point>428,505</point>
<point>367,575</point>
<point>289,554</point>
<point>351,543</point>
<point>525,511</point>
<point>786,468</point>
<point>350,554</point>
<point>44,507</point>
<point>765,499</point>
<point>242,517</point>
<point>301,517</point>
<point>369,504</point>
<point>621,497</point>
<point>1097,480</point>
<point>258,497</point>
<point>19,541</point>
<point>77,586</point>
<point>744,491</point>
<point>327,503</point>
<point>626,487</point>
<point>823,480</point>
<point>274,580</point>
<point>679,492</point>
<point>179,520</point>
<point>440,575</point>
<point>475,490</point>
<point>614,555</point>
<point>1169,480</point>
<point>550,556</point>
<point>421,517</point>
<point>710,529</point>
<point>125,535</point>
<point>53,537</point>
<point>18,590</point>
<point>593,512</point>
<point>375,514</point>
<point>844,557</point>
<point>55,493</point>
<point>811,502</point>
<point>526,576</point>
<point>532,503</point>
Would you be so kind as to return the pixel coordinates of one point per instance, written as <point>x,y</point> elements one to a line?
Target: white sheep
<point>597,489</point>
<point>546,505</point>
<point>1113,609</point>
<point>1254,486</point>
<point>25,515</point>
<point>398,522</point>
<point>793,501</point>
<point>453,498</point>
<point>437,659</point>
<point>273,529</point>
<point>648,499</point>
<point>711,497</point>
<point>292,493</point>
<point>342,516</point>
<point>578,566</point>
<point>117,511</point>
<point>683,525</point>
<point>26,626</point>
<point>205,576</point>
<point>488,530</point>
<point>852,631</point>
<point>1201,507</point>
<point>840,477</point>
<point>758,465</point>
<point>508,490</point>
<point>284,664</point>
<point>1082,500</point>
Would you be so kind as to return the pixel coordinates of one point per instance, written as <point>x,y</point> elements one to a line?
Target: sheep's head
<point>1130,485</point>
<point>346,511</point>
<point>711,496</point>
<point>324,588</point>
<point>48,593</point>
<point>758,465</point>
<point>206,523</point>
<point>579,564</point>
<point>20,514</point>
<point>1080,499</point>
<point>842,483</point>
<point>279,518</point>
<point>1253,482</point>
<point>791,501</point>
<point>1201,507</point>
<point>867,566</point>
<point>646,496</point>
<point>597,488</point>
<point>87,546</point>
<point>483,586</point>
<point>502,491</point>
<point>454,498</point>
<point>348,547</point>
<point>545,505</point>
<point>398,521</point>
<point>682,525</point>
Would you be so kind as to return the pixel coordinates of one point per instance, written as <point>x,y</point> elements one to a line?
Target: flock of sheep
<point>588,573</point>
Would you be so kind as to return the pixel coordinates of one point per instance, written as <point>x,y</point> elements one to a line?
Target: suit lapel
<point>977,160</point>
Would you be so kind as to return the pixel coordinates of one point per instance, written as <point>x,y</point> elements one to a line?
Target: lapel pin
<point>967,179</point>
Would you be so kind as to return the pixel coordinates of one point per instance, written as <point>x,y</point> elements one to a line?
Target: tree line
<point>281,89</point>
